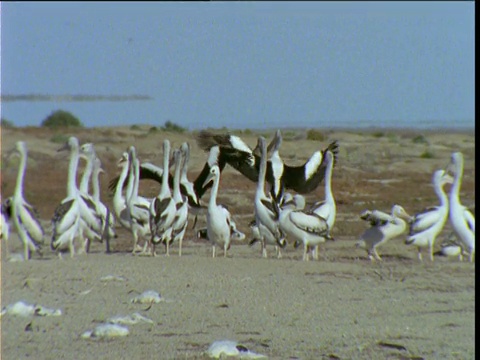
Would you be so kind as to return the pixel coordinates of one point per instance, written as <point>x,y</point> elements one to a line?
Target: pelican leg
<point>471,256</point>
<point>375,253</point>
<point>135,242</point>
<point>306,253</point>
<point>225,247</point>
<point>431,252</point>
<point>419,254</point>
<point>315,252</point>
<point>87,245</point>
<point>71,247</point>
<point>167,246</point>
<point>26,252</point>
<point>180,247</point>
<point>264,250</point>
<point>279,252</point>
<point>213,251</point>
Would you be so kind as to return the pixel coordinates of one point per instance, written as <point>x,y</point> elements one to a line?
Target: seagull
<point>24,215</point>
<point>180,221</point>
<point>302,179</point>
<point>6,216</point>
<point>218,217</point>
<point>138,208</point>
<point>383,228</point>
<point>303,226</point>
<point>462,220</point>
<point>266,208</point>
<point>162,208</point>
<point>427,224</point>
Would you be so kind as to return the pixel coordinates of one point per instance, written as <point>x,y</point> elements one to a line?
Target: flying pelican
<point>24,215</point>
<point>303,226</point>
<point>6,216</point>
<point>66,218</point>
<point>180,222</point>
<point>218,217</point>
<point>302,179</point>
<point>383,228</point>
<point>266,208</point>
<point>327,208</point>
<point>138,207</point>
<point>162,208</point>
<point>427,224</point>
<point>278,167</point>
<point>462,220</point>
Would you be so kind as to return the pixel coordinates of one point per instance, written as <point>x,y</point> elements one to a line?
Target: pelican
<point>427,224</point>
<point>302,179</point>
<point>277,185</point>
<point>218,217</point>
<point>451,247</point>
<point>266,208</point>
<point>462,220</point>
<point>102,227</point>
<point>181,203</point>
<point>24,215</point>
<point>303,226</point>
<point>6,216</point>
<point>66,218</point>
<point>383,228</point>
<point>235,234</point>
<point>119,202</point>
<point>138,207</point>
<point>162,208</point>
<point>327,208</point>
<point>107,218</point>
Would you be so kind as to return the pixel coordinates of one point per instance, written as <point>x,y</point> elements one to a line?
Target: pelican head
<point>70,144</point>
<point>123,160</point>
<point>400,212</point>
<point>214,173</point>
<point>456,163</point>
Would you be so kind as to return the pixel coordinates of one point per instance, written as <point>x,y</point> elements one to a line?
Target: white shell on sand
<point>147,297</point>
<point>106,331</point>
<point>113,278</point>
<point>223,348</point>
<point>132,319</point>
<point>22,308</point>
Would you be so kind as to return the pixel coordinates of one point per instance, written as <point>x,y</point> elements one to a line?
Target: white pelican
<point>181,204</point>
<point>462,220</point>
<point>266,208</point>
<point>277,166</point>
<point>235,234</point>
<point>6,216</point>
<point>327,208</point>
<point>119,201</point>
<point>66,218</point>
<point>24,215</point>
<point>108,220</point>
<point>102,228</point>
<point>162,208</point>
<point>451,247</point>
<point>138,209</point>
<point>302,179</point>
<point>218,217</point>
<point>383,228</point>
<point>427,224</point>
<point>303,226</point>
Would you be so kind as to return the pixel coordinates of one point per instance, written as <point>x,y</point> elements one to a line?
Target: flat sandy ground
<point>340,307</point>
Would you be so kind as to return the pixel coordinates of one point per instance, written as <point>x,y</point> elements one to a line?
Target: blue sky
<point>243,64</point>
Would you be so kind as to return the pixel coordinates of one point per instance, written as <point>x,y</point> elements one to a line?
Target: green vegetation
<point>420,139</point>
<point>7,123</point>
<point>378,134</point>
<point>152,130</point>
<point>61,118</point>
<point>315,135</point>
<point>59,138</point>
<point>135,127</point>
<point>427,155</point>
<point>172,127</point>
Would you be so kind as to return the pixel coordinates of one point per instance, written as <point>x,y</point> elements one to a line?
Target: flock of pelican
<point>280,212</point>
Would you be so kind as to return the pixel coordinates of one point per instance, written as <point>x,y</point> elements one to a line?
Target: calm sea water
<point>102,113</point>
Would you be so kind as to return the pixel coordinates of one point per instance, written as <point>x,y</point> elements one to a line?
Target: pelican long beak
<point>447,179</point>
<point>208,179</point>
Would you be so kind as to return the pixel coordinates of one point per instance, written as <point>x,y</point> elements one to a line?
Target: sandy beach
<point>339,307</point>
